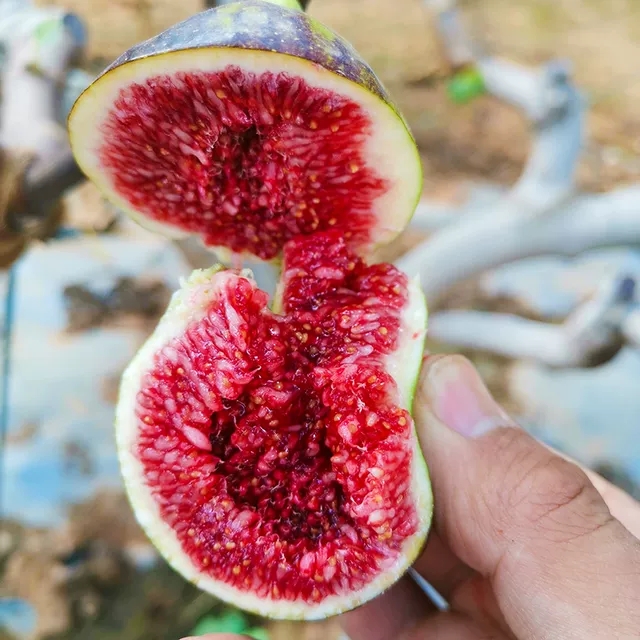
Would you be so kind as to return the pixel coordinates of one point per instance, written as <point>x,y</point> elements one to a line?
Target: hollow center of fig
<point>276,446</point>
<point>247,160</point>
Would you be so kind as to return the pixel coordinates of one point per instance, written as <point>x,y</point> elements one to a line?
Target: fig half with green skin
<point>271,457</point>
<point>248,125</point>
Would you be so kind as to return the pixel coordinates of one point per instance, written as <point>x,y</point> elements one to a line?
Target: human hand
<point>525,544</point>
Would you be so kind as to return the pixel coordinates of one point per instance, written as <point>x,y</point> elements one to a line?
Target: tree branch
<point>498,237</point>
<point>33,78</point>
<point>535,217</point>
<point>46,179</point>
<point>592,334</point>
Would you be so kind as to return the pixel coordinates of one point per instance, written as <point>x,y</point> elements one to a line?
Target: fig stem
<point>294,5</point>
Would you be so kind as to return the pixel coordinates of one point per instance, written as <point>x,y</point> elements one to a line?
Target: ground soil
<point>480,140</point>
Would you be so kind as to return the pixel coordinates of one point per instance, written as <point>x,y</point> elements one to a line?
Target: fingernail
<point>459,398</point>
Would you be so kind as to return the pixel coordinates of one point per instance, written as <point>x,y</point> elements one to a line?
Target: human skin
<point>526,545</point>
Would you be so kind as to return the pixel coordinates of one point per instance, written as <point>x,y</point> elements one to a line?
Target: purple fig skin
<point>263,26</point>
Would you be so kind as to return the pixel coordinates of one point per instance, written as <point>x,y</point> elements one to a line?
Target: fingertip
<point>455,393</point>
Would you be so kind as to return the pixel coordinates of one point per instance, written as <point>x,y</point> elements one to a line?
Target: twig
<point>591,334</point>
<point>455,44</point>
<point>46,179</point>
<point>546,96</point>
<point>498,237</point>
<point>31,83</point>
<point>556,109</point>
<point>433,215</point>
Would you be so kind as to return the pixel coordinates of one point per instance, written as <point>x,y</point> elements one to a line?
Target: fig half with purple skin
<point>270,457</point>
<point>248,125</point>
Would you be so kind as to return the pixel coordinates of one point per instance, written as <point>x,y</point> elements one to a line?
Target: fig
<point>247,125</point>
<point>272,458</point>
<point>269,451</point>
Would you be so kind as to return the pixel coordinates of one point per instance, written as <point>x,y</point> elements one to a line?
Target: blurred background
<point>88,287</point>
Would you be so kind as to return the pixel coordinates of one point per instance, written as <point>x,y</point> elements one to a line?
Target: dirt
<point>83,581</point>
<point>85,308</point>
<point>24,433</point>
<point>77,458</point>
<point>33,573</point>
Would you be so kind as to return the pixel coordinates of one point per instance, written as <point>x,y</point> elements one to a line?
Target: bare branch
<point>557,111</point>
<point>546,96</point>
<point>46,179</point>
<point>33,77</point>
<point>491,239</point>
<point>530,220</point>
<point>456,45</point>
<point>432,216</point>
<point>31,82</point>
<point>591,334</point>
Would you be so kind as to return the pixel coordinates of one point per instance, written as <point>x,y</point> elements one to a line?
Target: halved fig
<point>272,458</point>
<point>248,125</point>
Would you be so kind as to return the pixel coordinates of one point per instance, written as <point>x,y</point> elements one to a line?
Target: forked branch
<point>590,335</point>
<point>489,239</point>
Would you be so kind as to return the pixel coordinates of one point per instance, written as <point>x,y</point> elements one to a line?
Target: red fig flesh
<point>248,125</point>
<point>273,459</point>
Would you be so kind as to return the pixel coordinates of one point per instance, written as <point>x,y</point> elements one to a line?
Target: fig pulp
<point>271,458</point>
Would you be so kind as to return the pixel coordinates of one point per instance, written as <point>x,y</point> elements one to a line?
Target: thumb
<point>529,520</point>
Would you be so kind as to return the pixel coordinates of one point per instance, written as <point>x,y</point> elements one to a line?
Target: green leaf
<point>229,621</point>
<point>466,85</point>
